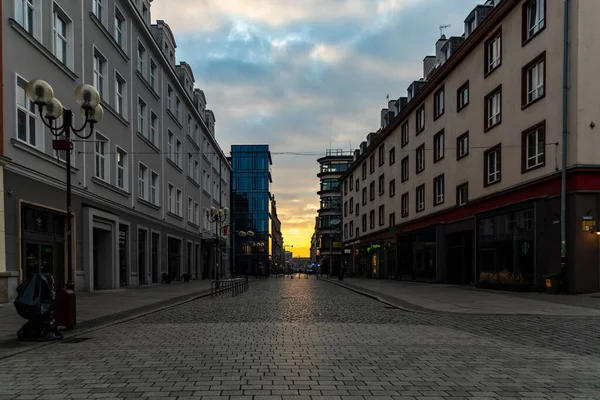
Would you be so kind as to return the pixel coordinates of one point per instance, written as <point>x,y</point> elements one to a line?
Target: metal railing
<point>235,286</point>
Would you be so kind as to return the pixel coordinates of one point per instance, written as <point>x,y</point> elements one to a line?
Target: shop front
<point>417,255</point>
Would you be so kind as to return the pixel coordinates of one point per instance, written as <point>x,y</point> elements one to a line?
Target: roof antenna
<point>442,28</point>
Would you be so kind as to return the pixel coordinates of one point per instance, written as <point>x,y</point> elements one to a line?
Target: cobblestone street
<point>309,339</point>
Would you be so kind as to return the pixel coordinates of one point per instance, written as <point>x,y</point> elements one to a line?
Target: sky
<point>304,76</point>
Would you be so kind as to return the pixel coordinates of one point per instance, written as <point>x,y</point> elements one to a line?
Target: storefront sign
<point>588,224</point>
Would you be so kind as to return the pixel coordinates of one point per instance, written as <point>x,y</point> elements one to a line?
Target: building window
<point>170,145</point>
<point>153,127</point>
<point>364,170</point>
<point>190,165</point>
<point>492,166</point>
<point>142,108</point>
<point>462,145</point>
<point>120,88</point>
<point>381,155</point>
<point>142,176</point>
<point>392,188</point>
<point>356,184</point>
<point>364,196</point>
<point>372,163</point>
<point>357,209</point>
<point>141,59</point>
<point>534,21</point>
<point>27,121</point>
<point>190,210</point>
<point>98,9</point>
<point>177,108</point>
<point>345,209</point>
<point>404,169</point>
<point>462,96</point>
<point>533,77</point>
<point>438,190</point>
<point>420,158</point>
<point>178,159</point>
<point>178,210</point>
<point>122,169</point>
<point>493,108</point>
<point>171,199</point>
<point>392,156</point>
<point>351,205</point>
<point>372,191</point>
<point>420,120</point>
<point>438,103</point>
<point>392,220</point>
<point>196,171</point>
<point>364,223</point>
<point>420,198</point>
<point>154,188</point>
<point>381,184</point>
<point>169,98</point>
<point>404,134</point>
<point>60,42</point>
<point>119,28</point>
<point>197,214</point>
<point>493,52</point>
<point>153,69</point>
<point>404,205</point>
<point>99,72</point>
<point>381,215</point>
<point>351,182</point>
<point>372,219</point>
<point>533,147</point>
<point>27,15</point>
<point>438,146</point>
<point>100,155</point>
<point>462,194</point>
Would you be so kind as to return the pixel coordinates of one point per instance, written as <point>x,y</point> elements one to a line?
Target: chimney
<point>428,64</point>
<point>440,56</point>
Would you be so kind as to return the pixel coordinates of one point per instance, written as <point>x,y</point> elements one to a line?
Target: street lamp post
<point>50,109</point>
<point>219,216</point>
<point>245,234</point>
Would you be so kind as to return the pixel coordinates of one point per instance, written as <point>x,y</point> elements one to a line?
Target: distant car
<point>310,269</point>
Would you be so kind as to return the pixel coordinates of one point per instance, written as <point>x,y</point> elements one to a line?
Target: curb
<point>371,296</point>
<point>424,311</point>
<point>106,321</point>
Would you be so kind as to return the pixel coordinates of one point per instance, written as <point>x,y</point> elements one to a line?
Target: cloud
<point>304,75</point>
<point>207,15</point>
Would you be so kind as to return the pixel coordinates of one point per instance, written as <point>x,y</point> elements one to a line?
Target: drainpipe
<point>563,191</point>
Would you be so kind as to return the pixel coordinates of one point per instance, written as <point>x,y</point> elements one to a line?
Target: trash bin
<point>552,283</point>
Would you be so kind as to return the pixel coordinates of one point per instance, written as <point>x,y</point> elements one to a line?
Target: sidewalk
<point>100,307</point>
<point>423,297</point>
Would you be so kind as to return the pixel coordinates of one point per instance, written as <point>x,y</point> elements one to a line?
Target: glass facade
<point>251,205</point>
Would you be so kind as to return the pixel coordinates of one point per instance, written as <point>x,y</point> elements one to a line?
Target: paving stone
<point>310,340</point>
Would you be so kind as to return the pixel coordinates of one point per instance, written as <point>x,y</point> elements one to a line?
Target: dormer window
<point>471,25</point>
<point>145,11</point>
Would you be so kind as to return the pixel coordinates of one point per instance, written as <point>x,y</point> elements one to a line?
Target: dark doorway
<point>174,257</point>
<point>142,239</point>
<point>123,255</point>
<point>155,263</point>
<point>460,258</point>
<point>190,257</point>
<point>197,261</point>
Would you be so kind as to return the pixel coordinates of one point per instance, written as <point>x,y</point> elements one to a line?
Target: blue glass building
<point>250,208</point>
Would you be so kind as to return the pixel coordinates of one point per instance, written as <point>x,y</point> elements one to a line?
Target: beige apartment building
<point>464,175</point>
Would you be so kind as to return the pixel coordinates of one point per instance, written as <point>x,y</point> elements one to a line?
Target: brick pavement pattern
<point>311,340</point>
